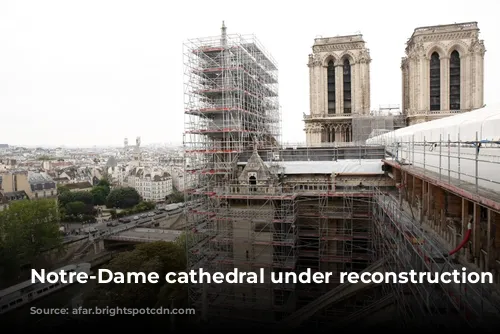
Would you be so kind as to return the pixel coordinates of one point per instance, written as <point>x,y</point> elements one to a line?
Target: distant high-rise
<point>137,149</point>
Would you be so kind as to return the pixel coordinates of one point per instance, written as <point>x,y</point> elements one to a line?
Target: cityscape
<point>410,186</point>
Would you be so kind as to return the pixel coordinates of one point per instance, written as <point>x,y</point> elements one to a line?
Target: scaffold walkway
<point>409,247</point>
<point>339,293</point>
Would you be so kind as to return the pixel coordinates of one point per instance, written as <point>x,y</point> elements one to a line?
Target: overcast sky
<point>93,72</point>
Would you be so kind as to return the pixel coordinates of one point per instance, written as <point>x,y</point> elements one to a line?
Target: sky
<point>90,73</point>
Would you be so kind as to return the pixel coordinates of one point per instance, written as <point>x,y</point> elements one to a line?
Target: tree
<point>123,198</point>
<point>176,196</point>
<point>104,182</point>
<point>99,194</point>
<point>77,196</point>
<point>107,178</point>
<point>160,257</point>
<point>27,228</point>
<point>144,206</point>
<point>101,191</point>
<point>61,188</point>
<point>78,208</point>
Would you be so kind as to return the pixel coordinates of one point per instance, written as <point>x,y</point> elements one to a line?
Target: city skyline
<point>75,76</point>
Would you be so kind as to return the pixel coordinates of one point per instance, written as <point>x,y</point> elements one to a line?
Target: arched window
<point>435,82</point>
<point>252,180</point>
<point>347,87</point>
<point>331,87</point>
<point>455,81</point>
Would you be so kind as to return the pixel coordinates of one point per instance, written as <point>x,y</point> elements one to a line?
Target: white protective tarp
<point>425,145</point>
<point>362,166</point>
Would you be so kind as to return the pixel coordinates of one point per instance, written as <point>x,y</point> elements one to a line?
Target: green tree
<point>175,197</point>
<point>77,196</point>
<point>144,206</point>
<point>123,198</point>
<point>160,257</point>
<point>27,228</point>
<point>106,177</point>
<point>64,198</point>
<point>77,208</point>
<point>61,188</point>
<point>104,182</point>
<point>99,194</point>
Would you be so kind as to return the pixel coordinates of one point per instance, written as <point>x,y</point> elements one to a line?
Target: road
<point>146,235</point>
<point>103,228</point>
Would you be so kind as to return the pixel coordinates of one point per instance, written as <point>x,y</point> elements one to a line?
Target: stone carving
<point>477,46</point>
<point>314,60</point>
<point>447,37</point>
<point>316,128</point>
<point>311,59</point>
<point>419,50</point>
<point>337,47</point>
<point>364,56</point>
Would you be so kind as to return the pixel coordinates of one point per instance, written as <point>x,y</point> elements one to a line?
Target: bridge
<point>144,235</point>
<point>134,232</point>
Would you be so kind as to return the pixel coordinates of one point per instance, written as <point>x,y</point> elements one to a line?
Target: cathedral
<point>442,74</point>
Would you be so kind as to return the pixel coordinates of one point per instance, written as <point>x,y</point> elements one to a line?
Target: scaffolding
<point>335,235</point>
<point>329,152</point>
<point>406,246</point>
<point>401,243</point>
<point>249,233</point>
<point>232,108</point>
<point>365,127</point>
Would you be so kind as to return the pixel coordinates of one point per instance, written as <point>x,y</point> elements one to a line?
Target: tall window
<point>347,87</point>
<point>455,81</point>
<point>331,87</point>
<point>435,82</point>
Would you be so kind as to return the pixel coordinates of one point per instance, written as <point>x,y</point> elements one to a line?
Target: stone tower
<point>442,72</point>
<point>339,76</point>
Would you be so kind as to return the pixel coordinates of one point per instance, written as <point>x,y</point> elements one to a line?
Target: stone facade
<point>339,75</point>
<point>442,72</point>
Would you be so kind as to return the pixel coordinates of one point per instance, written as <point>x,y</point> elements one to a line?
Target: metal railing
<point>433,112</point>
<point>288,189</point>
<point>327,116</point>
<point>400,231</point>
<point>476,162</point>
<point>328,145</point>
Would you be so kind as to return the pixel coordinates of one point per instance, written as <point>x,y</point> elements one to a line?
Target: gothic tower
<point>339,83</point>
<point>442,72</point>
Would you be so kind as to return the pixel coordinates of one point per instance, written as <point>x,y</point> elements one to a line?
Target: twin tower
<point>442,74</point>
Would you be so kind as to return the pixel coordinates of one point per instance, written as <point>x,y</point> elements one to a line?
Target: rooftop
<point>354,166</point>
<point>339,39</point>
<point>79,185</point>
<point>465,26</point>
<point>39,177</point>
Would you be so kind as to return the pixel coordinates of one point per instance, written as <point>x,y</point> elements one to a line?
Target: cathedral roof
<point>255,164</point>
